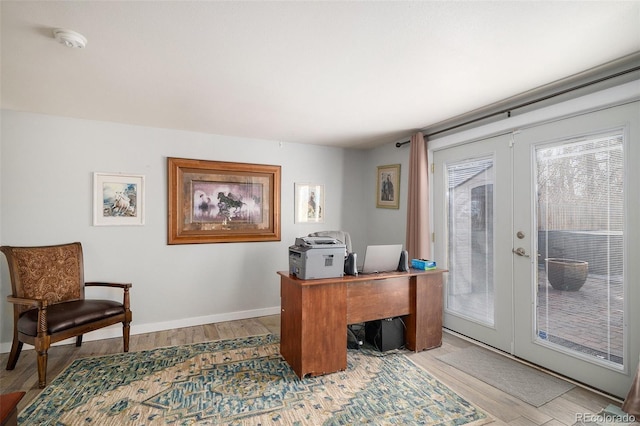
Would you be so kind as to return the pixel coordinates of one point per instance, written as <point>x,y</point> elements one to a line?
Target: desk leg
<point>313,333</point>
<point>424,323</point>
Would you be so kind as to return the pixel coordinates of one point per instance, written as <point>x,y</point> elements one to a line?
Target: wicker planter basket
<point>567,274</point>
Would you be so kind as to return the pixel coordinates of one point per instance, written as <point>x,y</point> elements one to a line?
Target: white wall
<point>387,226</point>
<point>366,223</point>
<point>46,194</point>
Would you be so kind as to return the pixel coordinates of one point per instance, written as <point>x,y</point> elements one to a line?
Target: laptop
<point>381,258</point>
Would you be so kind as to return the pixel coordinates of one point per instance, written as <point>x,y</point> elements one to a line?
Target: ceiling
<point>346,74</point>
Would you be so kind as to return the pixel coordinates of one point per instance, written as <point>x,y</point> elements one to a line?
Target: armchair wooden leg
<point>79,341</point>
<point>42,368</point>
<point>16,348</point>
<point>127,319</point>
<point>126,329</point>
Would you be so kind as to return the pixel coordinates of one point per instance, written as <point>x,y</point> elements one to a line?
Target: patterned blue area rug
<point>244,382</point>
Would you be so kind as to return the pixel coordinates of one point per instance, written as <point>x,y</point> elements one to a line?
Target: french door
<point>473,231</point>
<point>539,231</point>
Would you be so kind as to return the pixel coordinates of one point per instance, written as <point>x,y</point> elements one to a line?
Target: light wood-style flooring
<point>504,408</point>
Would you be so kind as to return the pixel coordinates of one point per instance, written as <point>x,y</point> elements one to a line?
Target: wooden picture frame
<point>388,187</point>
<point>118,199</point>
<point>221,202</point>
<point>309,203</point>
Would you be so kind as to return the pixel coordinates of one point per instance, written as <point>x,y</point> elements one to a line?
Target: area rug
<point>244,382</point>
<point>526,383</point>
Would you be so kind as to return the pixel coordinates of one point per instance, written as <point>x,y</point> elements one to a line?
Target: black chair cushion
<point>65,315</point>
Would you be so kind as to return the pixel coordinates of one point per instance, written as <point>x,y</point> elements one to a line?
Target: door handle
<point>520,252</point>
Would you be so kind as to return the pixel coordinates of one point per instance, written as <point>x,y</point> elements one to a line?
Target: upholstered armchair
<point>49,305</point>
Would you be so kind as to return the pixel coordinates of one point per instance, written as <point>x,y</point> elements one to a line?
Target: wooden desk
<point>315,314</point>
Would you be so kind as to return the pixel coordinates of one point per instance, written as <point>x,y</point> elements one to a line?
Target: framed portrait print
<point>388,187</point>
<point>118,199</point>
<point>309,203</point>
<point>219,202</point>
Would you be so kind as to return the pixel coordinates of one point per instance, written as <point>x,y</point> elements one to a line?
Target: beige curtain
<point>417,243</point>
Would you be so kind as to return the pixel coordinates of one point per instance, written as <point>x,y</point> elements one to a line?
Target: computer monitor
<point>381,258</point>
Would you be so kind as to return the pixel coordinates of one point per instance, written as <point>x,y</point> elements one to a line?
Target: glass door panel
<point>470,223</point>
<point>580,221</point>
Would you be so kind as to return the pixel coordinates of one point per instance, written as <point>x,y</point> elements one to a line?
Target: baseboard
<point>115,331</point>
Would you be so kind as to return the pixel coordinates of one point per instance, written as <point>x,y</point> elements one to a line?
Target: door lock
<point>520,252</point>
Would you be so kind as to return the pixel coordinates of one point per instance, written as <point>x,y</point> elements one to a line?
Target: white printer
<point>317,257</point>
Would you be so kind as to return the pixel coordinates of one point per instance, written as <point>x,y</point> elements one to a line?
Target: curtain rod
<point>622,67</point>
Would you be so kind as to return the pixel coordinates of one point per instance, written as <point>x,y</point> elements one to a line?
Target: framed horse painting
<point>118,199</point>
<point>218,201</point>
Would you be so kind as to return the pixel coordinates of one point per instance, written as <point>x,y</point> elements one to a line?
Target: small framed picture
<point>309,203</point>
<point>118,199</point>
<point>388,187</point>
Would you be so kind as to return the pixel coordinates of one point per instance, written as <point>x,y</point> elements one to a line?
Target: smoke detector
<point>70,38</point>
